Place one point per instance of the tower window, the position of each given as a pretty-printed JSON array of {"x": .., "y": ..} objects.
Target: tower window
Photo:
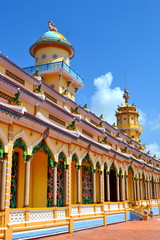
[
  {"x": 43, "y": 56},
  {"x": 54, "y": 56}
]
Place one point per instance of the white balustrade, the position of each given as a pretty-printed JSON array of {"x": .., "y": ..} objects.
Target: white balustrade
[
  {"x": 106, "y": 207},
  {"x": 40, "y": 215},
  {"x": 114, "y": 206},
  {"x": 98, "y": 209},
  {"x": 17, "y": 217},
  {"x": 61, "y": 213},
  {"x": 74, "y": 211},
  {"x": 87, "y": 209},
  {"x": 121, "y": 206}
]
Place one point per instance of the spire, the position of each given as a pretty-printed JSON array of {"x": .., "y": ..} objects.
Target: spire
[{"x": 126, "y": 95}]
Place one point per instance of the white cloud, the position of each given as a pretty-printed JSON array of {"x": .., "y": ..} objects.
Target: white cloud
[
  {"x": 155, "y": 123},
  {"x": 154, "y": 148},
  {"x": 142, "y": 117},
  {"x": 105, "y": 99}
]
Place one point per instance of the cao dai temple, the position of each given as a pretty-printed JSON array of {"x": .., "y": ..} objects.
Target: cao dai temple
[{"x": 62, "y": 168}]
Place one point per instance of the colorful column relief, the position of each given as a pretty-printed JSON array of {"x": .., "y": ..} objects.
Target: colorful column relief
[
  {"x": 87, "y": 181},
  {"x": 14, "y": 180}
]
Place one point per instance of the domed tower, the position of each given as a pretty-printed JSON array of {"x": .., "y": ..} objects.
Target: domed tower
[
  {"x": 127, "y": 119},
  {"x": 52, "y": 53}
]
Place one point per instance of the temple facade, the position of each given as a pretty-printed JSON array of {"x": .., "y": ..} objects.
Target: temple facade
[{"x": 62, "y": 168}]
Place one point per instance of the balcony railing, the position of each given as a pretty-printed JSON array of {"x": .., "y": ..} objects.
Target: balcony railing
[{"x": 54, "y": 66}]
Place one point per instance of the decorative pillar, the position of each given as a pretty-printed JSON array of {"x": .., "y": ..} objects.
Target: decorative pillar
[
  {"x": 79, "y": 185},
  {"x": 138, "y": 190},
  {"x": 118, "y": 197},
  {"x": 156, "y": 191},
  {"x": 126, "y": 183},
  {"x": 141, "y": 190},
  {"x": 94, "y": 186},
  {"x": 66, "y": 185},
  {"x": 122, "y": 188},
  {"x": 3, "y": 181},
  {"x": 55, "y": 184},
  {"x": 108, "y": 186},
  {"x": 151, "y": 192},
  {"x": 135, "y": 192},
  {"x": 27, "y": 180},
  {"x": 100, "y": 187},
  {"x": 148, "y": 189}
]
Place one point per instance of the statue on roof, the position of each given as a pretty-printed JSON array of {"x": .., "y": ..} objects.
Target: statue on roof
[
  {"x": 126, "y": 95},
  {"x": 51, "y": 26}
]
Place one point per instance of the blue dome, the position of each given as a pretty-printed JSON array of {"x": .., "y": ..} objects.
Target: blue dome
[{"x": 51, "y": 35}]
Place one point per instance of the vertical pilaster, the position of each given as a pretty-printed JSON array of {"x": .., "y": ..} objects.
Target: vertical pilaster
[
  {"x": 66, "y": 202},
  {"x": 148, "y": 189},
  {"x": 126, "y": 183},
  {"x": 79, "y": 185},
  {"x": 138, "y": 190},
  {"x": 100, "y": 187},
  {"x": 94, "y": 186},
  {"x": 122, "y": 188},
  {"x": 141, "y": 190},
  {"x": 27, "y": 181},
  {"x": 3, "y": 182},
  {"x": 55, "y": 184},
  {"x": 135, "y": 190},
  {"x": 108, "y": 186},
  {"x": 118, "y": 197}
]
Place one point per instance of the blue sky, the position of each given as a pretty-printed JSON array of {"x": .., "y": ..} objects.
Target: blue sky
[{"x": 114, "y": 37}]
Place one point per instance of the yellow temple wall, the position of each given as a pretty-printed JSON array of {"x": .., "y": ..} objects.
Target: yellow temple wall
[{"x": 49, "y": 52}]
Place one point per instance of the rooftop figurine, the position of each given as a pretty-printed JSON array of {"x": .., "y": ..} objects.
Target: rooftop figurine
[{"x": 51, "y": 26}]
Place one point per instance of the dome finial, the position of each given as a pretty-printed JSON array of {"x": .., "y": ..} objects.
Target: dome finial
[
  {"x": 51, "y": 26},
  {"x": 126, "y": 95}
]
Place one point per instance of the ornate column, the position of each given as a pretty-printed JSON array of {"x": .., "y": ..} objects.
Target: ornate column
[
  {"x": 118, "y": 197},
  {"x": 100, "y": 187},
  {"x": 94, "y": 186},
  {"x": 3, "y": 181},
  {"x": 66, "y": 185},
  {"x": 156, "y": 191},
  {"x": 138, "y": 190},
  {"x": 141, "y": 190},
  {"x": 55, "y": 184},
  {"x": 135, "y": 192},
  {"x": 79, "y": 185},
  {"x": 108, "y": 186},
  {"x": 151, "y": 192},
  {"x": 27, "y": 180},
  {"x": 126, "y": 183},
  {"x": 122, "y": 190},
  {"x": 148, "y": 189}
]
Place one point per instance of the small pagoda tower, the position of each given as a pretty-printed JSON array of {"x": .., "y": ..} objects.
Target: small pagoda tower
[
  {"x": 52, "y": 53},
  {"x": 127, "y": 118}
]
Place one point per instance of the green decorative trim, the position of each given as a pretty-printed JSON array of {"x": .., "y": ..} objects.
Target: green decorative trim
[
  {"x": 87, "y": 157},
  {"x": 43, "y": 145},
  {"x": 19, "y": 143},
  {"x": 75, "y": 158},
  {"x": 72, "y": 125},
  {"x": 1, "y": 150}
]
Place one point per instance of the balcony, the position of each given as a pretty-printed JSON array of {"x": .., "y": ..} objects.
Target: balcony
[{"x": 54, "y": 67}]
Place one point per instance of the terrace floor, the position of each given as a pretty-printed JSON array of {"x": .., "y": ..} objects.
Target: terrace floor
[{"x": 131, "y": 230}]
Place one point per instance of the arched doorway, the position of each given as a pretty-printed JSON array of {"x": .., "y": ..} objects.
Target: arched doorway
[
  {"x": 17, "y": 174},
  {"x": 41, "y": 177},
  {"x": 130, "y": 184},
  {"x": 113, "y": 183},
  {"x": 87, "y": 180}
]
